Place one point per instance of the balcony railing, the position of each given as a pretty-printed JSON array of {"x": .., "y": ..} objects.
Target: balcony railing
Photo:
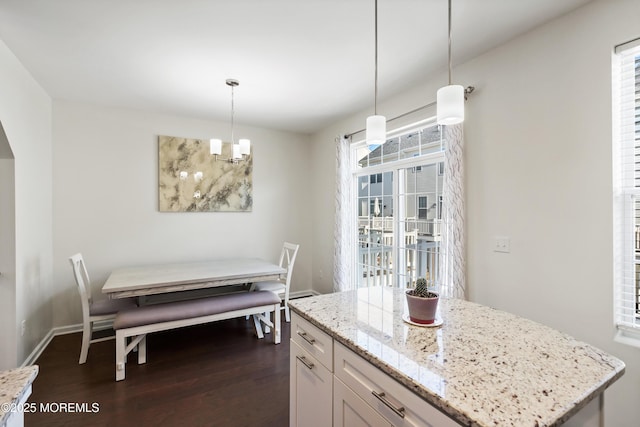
[
  {"x": 431, "y": 229},
  {"x": 417, "y": 252}
]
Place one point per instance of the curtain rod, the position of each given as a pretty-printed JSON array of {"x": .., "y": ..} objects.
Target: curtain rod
[
  {"x": 627, "y": 42},
  {"x": 467, "y": 91}
]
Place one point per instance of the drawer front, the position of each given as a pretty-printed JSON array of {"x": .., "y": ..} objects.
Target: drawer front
[
  {"x": 311, "y": 387},
  {"x": 395, "y": 402},
  {"x": 316, "y": 342}
]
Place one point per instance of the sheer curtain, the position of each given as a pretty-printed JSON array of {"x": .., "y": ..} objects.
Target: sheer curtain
[
  {"x": 344, "y": 220},
  {"x": 452, "y": 275}
]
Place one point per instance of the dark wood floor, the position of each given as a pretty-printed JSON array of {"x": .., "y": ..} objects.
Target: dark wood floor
[{"x": 218, "y": 374}]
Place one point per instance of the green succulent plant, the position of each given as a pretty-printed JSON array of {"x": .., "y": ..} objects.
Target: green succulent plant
[{"x": 421, "y": 289}]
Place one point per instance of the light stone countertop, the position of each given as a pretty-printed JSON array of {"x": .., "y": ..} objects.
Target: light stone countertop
[
  {"x": 12, "y": 386},
  {"x": 482, "y": 367}
]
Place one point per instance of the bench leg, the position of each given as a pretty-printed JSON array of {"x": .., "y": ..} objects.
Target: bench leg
[
  {"x": 121, "y": 343},
  {"x": 142, "y": 351},
  {"x": 276, "y": 324},
  {"x": 256, "y": 322},
  {"x": 266, "y": 327}
]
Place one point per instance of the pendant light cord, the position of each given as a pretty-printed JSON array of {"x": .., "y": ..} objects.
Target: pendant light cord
[
  {"x": 375, "y": 91},
  {"x": 232, "y": 113},
  {"x": 449, "y": 42}
]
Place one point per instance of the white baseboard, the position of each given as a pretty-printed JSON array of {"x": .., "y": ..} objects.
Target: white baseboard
[
  {"x": 105, "y": 324},
  {"x": 30, "y": 360},
  {"x": 60, "y": 330}
]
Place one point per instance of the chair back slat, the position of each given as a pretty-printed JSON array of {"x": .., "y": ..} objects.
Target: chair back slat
[
  {"x": 290, "y": 250},
  {"x": 82, "y": 280}
]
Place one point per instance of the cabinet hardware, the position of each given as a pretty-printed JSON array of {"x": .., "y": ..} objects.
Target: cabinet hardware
[
  {"x": 306, "y": 338},
  {"x": 381, "y": 397},
  {"x": 305, "y": 362}
]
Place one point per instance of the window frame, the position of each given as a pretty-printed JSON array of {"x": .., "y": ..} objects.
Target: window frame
[
  {"x": 432, "y": 157},
  {"x": 626, "y": 190}
]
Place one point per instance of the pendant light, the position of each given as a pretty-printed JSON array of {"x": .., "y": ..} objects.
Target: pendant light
[
  {"x": 242, "y": 149},
  {"x": 450, "y": 99},
  {"x": 376, "y": 125}
]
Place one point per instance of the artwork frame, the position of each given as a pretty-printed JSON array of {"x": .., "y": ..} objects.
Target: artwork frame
[{"x": 190, "y": 179}]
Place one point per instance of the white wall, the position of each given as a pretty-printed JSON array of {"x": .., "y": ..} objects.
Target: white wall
[
  {"x": 8, "y": 331},
  {"x": 540, "y": 171},
  {"x": 106, "y": 199},
  {"x": 538, "y": 164},
  {"x": 25, "y": 114}
]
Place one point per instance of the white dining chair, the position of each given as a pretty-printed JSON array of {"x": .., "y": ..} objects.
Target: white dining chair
[
  {"x": 281, "y": 287},
  {"x": 93, "y": 311}
]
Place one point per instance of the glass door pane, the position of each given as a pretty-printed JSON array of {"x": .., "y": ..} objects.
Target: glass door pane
[
  {"x": 375, "y": 229},
  {"x": 420, "y": 196}
]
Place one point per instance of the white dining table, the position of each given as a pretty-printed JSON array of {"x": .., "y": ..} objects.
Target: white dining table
[{"x": 175, "y": 277}]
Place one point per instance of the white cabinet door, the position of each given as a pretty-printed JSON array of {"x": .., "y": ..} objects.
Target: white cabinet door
[
  {"x": 351, "y": 411},
  {"x": 16, "y": 419},
  {"x": 392, "y": 400},
  {"x": 311, "y": 388}
]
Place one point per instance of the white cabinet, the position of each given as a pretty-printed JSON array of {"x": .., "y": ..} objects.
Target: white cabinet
[
  {"x": 392, "y": 400},
  {"x": 16, "y": 418},
  {"x": 311, "y": 390},
  {"x": 332, "y": 385},
  {"x": 351, "y": 411},
  {"x": 310, "y": 381},
  {"x": 317, "y": 343}
]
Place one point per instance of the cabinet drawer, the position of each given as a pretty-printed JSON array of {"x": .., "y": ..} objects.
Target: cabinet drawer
[
  {"x": 316, "y": 342},
  {"x": 395, "y": 402}
]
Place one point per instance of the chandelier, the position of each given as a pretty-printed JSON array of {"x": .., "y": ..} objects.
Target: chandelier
[{"x": 241, "y": 149}]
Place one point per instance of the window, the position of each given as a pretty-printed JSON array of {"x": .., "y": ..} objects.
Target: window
[
  {"x": 398, "y": 208},
  {"x": 422, "y": 206},
  {"x": 626, "y": 155},
  {"x": 376, "y": 178}
]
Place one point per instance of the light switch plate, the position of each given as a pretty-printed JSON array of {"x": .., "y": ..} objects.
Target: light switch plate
[{"x": 502, "y": 244}]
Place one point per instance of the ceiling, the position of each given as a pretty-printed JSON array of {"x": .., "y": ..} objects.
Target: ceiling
[{"x": 302, "y": 64}]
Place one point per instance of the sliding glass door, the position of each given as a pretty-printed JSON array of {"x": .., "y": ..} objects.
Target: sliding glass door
[{"x": 399, "y": 209}]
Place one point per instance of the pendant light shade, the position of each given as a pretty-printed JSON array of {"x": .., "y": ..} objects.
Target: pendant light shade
[
  {"x": 376, "y": 130},
  {"x": 376, "y": 125},
  {"x": 450, "y": 100}
]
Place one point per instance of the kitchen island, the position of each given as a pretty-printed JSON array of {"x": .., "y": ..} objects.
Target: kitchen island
[
  {"x": 15, "y": 388},
  {"x": 481, "y": 367}
]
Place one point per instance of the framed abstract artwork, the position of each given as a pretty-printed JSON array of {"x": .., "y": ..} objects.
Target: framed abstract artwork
[{"x": 190, "y": 179}]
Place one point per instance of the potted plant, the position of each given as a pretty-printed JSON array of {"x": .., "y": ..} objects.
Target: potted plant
[{"x": 422, "y": 303}]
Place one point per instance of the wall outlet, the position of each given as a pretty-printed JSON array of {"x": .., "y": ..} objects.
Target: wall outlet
[
  {"x": 502, "y": 244},
  {"x": 23, "y": 327}
]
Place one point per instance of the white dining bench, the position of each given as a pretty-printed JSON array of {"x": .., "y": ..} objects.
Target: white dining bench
[{"x": 137, "y": 322}]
